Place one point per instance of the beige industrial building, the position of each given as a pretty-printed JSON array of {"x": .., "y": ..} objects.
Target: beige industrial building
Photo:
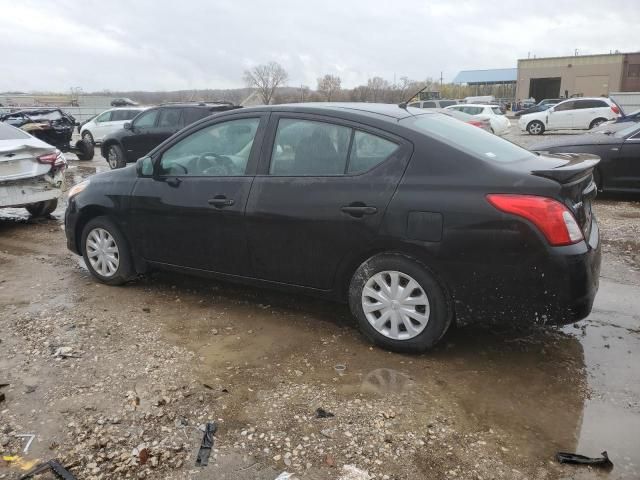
[{"x": 583, "y": 75}]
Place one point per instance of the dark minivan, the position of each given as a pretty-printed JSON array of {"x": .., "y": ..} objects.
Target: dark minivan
[
  {"x": 152, "y": 127},
  {"x": 414, "y": 218}
]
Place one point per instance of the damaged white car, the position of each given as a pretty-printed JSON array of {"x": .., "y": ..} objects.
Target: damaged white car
[{"x": 31, "y": 172}]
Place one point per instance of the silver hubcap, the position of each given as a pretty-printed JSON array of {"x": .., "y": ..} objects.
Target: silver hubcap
[
  {"x": 102, "y": 252},
  {"x": 534, "y": 128},
  {"x": 395, "y": 305},
  {"x": 87, "y": 137},
  {"x": 113, "y": 158}
]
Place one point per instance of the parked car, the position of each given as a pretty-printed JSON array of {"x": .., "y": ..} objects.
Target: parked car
[
  {"x": 152, "y": 127},
  {"x": 571, "y": 114},
  {"x": 476, "y": 121},
  {"x": 480, "y": 99},
  {"x": 412, "y": 217},
  {"x": 617, "y": 145},
  {"x": 108, "y": 122},
  {"x": 540, "y": 107},
  {"x": 433, "y": 103},
  {"x": 500, "y": 124},
  {"x": 52, "y": 126},
  {"x": 31, "y": 172},
  {"x": 631, "y": 117},
  {"x": 123, "y": 102}
]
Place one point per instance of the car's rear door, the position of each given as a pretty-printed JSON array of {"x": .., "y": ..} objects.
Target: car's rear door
[
  {"x": 101, "y": 127},
  {"x": 319, "y": 197},
  {"x": 170, "y": 120},
  {"x": 191, "y": 212}
]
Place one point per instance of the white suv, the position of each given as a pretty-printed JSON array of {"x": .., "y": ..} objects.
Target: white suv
[
  {"x": 500, "y": 124},
  {"x": 108, "y": 122},
  {"x": 571, "y": 114}
]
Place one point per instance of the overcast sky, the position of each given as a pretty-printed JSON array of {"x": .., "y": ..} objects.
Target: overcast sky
[{"x": 52, "y": 45}]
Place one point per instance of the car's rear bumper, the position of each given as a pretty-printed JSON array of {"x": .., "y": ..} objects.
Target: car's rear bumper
[
  {"x": 19, "y": 193},
  {"x": 557, "y": 289}
]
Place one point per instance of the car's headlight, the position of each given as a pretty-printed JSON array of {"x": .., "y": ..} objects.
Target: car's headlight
[{"x": 76, "y": 189}]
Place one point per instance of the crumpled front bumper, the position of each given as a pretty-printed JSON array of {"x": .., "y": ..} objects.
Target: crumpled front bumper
[{"x": 26, "y": 191}]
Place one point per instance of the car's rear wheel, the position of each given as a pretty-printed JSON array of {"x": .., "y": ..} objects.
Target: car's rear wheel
[
  {"x": 115, "y": 157},
  {"x": 399, "y": 303},
  {"x": 535, "y": 128},
  {"x": 596, "y": 122},
  {"x": 106, "y": 252},
  {"x": 84, "y": 149},
  {"x": 87, "y": 137},
  {"x": 42, "y": 209}
]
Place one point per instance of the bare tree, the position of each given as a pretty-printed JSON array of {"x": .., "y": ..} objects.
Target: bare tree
[
  {"x": 329, "y": 85},
  {"x": 266, "y": 79},
  {"x": 377, "y": 87}
]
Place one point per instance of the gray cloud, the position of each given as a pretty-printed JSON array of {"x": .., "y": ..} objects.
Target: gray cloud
[{"x": 152, "y": 45}]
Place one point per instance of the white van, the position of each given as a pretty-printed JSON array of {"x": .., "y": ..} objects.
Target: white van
[
  {"x": 481, "y": 99},
  {"x": 433, "y": 104}
]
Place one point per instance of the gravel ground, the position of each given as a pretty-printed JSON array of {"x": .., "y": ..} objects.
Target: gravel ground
[{"x": 118, "y": 382}]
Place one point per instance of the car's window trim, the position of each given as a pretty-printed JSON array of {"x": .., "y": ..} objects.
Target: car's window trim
[
  {"x": 269, "y": 141},
  {"x": 254, "y": 156}
]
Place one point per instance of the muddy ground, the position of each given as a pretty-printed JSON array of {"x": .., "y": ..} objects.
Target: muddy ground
[{"x": 116, "y": 382}]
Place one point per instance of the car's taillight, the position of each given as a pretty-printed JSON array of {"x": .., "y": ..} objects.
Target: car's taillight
[
  {"x": 615, "y": 109},
  {"x": 551, "y": 217},
  {"x": 54, "y": 159},
  {"x": 475, "y": 123}
]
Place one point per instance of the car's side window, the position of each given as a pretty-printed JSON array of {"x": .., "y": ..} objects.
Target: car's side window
[
  {"x": 414, "y": 104},
  {"x": 367, "y": 151},
  {"x": 103, "y": 117},
  {"x": 564, "y": 106},
  {"x": 309, "y": 148},
  {"x": 170, "y": 118},
  {"x": 146, "y": 120},
  {"x": 429, "y": 105},
  {"x": 120, "y": 115},
  {"x": 219, "y": 150}
]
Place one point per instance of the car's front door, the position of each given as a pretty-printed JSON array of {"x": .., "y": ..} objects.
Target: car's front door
[
  {"x": 561, "y": 116},
  {"x": 626, "y": 168},
  {"x": 102, "y": 122},
  {"x": 191, "y": 212},
  {"x": 139, "y": 142},
  {"x": 170, "y": 120},
  {"x": 319, "y": 198}
]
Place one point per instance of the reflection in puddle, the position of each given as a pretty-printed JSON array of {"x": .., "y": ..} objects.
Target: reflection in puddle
[{"x": 385, "y": 380}]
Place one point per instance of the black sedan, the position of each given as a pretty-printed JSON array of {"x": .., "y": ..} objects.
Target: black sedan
[
  {"x": 618, "y": 146},
  {"x": 414, "y": 218}
]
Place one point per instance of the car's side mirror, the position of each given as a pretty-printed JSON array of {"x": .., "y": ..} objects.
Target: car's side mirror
[
  {"x": 144, "y": 167},
  {"x": 128, "y": 126},
  {"x": 551, "y": 110}
]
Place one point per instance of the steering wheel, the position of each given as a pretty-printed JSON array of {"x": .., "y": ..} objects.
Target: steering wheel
[{"x": 214, "y": 163}]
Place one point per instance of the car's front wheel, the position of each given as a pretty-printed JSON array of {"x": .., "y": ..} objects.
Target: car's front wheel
[
  {"x": 597, "y": 122},
  {"x": 86, "y": 135},
  {"x": 115, "y": 157},
  {"x": 399, "y": 303},
  {"x": 535, "y": 128},
  {"x": 42, "y": 209},
  {"x": 106, "y": 252}
]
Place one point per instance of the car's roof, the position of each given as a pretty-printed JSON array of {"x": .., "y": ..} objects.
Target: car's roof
[
  {"x": 472, "y": 105},
  {"x": 586, "y": 98},
  {"x": 380, "y": 110},
  {"x": 132, "y": 107}
]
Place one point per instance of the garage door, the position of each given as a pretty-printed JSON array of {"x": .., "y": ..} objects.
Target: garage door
[{"x": 592, "y": 85}]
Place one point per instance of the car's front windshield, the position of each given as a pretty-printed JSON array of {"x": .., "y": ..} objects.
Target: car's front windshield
[{"x": 468, "y": 138}]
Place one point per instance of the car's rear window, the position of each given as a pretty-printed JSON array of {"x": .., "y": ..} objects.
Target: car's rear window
[
  {"x": 497, "y": 110},
  {"x": 447, "y": 103},
  {"x": 7, "y": 132},
  {"x": 465, "y": 137}
]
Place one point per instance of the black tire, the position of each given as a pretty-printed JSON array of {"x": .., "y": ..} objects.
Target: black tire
[
  {"x": 42, "y": 209},
  {"x": 536, "y": 127},
  {"x": 85, "y": 150},
  {"x": 86, "y": 136},
  {"x": 115, "y": 157},
  {"x": 125, "y": 270},
  {"x": 596, "y": 122},
  {"x": 440, "y": 305}
]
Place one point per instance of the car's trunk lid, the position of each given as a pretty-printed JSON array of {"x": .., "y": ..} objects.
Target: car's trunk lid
[
  {"x": 19, "y": 160},
  {"x": 574, "y": 172}
]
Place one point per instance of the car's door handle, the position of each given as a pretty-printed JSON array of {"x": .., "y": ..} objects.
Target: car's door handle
[
  {"x": 359, "y": 210},
  {"x": 174, "y": 182},
  {"x": 220, "y": 201}
]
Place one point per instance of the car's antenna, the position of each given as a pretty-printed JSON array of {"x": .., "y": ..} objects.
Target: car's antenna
[{"x": 403, "y": 105}]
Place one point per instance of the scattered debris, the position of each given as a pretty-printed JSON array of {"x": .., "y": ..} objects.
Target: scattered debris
[
  {"x": 56, "y": 467},
  {"x": 30, "y": 437},
  {"x": 322, "y": 413},
  {"x": 207, "y": 444},
  {"x": 65, "y": 352},
  {"x": 285, "y": 476},
  {"x": 351, "y": 472},
  {"x": 340, "y": 368},
  {"x": 574, "y": 458}
]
